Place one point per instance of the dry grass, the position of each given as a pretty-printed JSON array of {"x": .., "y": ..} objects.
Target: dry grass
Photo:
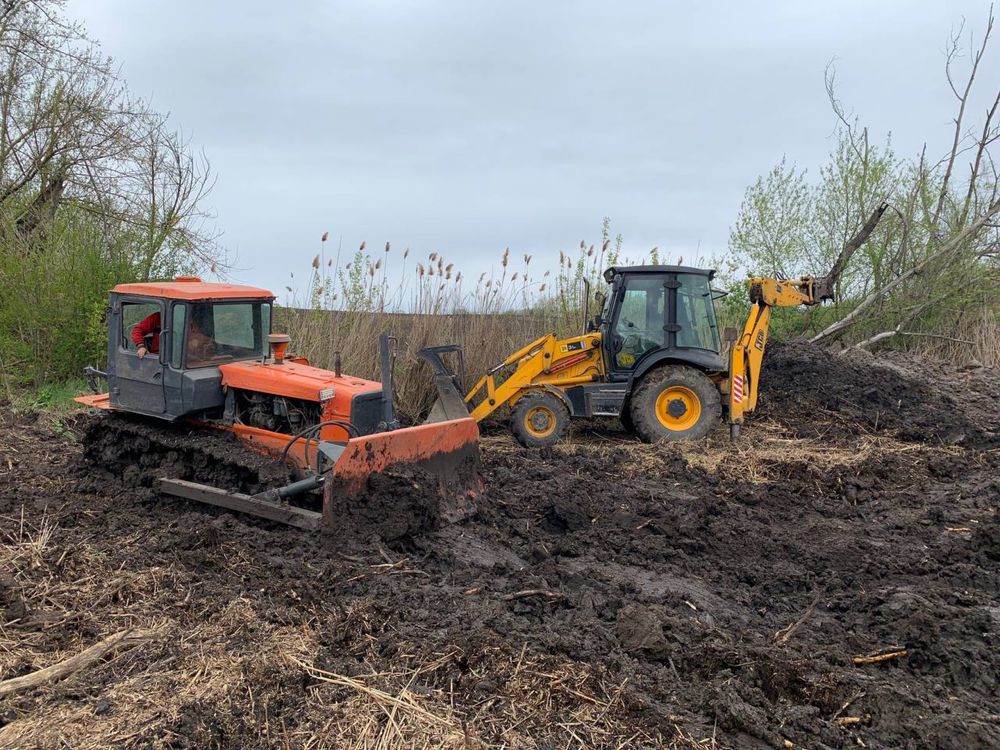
[
  {"x": 222, "y": 671},
  {"x": 973, "y": 336},
  {"x": 539, "y": 702},
  {"x": 765, "y": 455}
]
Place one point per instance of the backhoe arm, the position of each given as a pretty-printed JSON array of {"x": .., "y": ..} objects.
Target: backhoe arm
[{"x": 748, "y": 352}]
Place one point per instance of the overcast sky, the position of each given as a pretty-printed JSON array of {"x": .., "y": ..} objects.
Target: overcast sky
[{"x": 465, "y": 126}]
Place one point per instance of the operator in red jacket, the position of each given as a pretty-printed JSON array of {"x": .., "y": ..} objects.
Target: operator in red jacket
[{"x": 148, "y": 326}]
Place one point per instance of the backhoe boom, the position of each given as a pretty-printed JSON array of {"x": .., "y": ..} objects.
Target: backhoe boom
[{"x": 748, "y": 352}]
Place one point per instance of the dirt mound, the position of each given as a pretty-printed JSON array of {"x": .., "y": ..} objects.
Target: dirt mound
[
  {"x": 833, "y": 590},
  {"x": 819, "y": 393}
]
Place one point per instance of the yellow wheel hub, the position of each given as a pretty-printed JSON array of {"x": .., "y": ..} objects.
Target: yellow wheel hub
[
  {"x": 678, "y": 408},
  {"x": 540, "y": 421}
]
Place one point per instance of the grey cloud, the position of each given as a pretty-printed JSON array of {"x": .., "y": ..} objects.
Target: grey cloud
[{"x": 466, "y": 127}]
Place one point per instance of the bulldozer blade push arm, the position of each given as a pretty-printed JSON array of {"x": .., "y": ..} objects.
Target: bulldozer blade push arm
[{"x": 254, "y": 506}]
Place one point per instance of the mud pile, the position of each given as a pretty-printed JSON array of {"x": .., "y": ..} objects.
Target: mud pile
[
  {"x": 817, "y": 392},
  {"x": 607, "y": 594}
]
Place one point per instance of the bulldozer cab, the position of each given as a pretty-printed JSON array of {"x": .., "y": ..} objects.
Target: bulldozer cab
[
  {"x": 187, "y": 329},
  {"x": 655, "y": 314}
]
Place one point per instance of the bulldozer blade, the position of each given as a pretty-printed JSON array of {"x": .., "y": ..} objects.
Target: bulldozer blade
[{"x": 405, "y": 480}]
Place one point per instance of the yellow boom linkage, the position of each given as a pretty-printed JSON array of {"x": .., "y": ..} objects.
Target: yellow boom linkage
[
  {"x": 547, "y": 364},
  {"x": 748, "y": 352}
]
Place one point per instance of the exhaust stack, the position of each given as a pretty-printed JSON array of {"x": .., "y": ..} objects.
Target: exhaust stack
[{"x": 279, "y": 344}]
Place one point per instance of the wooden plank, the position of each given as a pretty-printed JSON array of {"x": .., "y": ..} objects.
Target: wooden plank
[{"x": 298, "y": 517}]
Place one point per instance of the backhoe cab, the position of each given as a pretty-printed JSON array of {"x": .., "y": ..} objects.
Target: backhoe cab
[{"x": 653, "y": 357}]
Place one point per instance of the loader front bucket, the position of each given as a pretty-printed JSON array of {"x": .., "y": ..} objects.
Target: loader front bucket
[{"x": 405, "y": 481}]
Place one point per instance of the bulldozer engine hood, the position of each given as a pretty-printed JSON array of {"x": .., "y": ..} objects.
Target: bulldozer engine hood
[{"x": 295, "y": 380}]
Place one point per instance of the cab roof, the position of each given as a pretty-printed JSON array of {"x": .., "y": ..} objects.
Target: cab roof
[
  {"x": 616, "y": 270},
  {"x": 191, "y": 288}
]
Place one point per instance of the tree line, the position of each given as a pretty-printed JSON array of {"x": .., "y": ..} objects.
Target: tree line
[
  {"x": 929, "y": 273},
  {"x": 96, "y": 188}
]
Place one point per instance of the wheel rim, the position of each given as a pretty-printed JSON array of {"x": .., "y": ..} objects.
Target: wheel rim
[
  {"x": 678, "y": 408},
  {"x": 540, "y": 421}
]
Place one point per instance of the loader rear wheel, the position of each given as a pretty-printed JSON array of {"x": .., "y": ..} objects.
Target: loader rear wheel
[
  {"x": 675, "y": 403},
  {"x": 539, "y": 420}
]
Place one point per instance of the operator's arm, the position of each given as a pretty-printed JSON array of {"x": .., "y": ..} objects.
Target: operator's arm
[{"x": 150, "y": 325}]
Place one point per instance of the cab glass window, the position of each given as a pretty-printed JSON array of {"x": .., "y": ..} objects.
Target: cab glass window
[
  {"x": 148, "y": 334},
  {"x": 225, "y": 331},
  {"x": 177, "y": 326},
  {"x": 696, "y": 313},
  {"x": 640, "y": 320}
]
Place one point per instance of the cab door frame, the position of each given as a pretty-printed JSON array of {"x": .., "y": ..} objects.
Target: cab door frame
[{"x": 135, "y": 384}]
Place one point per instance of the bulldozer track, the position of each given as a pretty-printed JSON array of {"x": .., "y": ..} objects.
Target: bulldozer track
[{"x": 142, "y": 451}]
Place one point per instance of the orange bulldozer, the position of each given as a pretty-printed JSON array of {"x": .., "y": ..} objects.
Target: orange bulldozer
[{"x": 188, "y": 358}]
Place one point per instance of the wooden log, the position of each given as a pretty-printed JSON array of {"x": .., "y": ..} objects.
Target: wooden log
[{"x": 61, "y": 670}]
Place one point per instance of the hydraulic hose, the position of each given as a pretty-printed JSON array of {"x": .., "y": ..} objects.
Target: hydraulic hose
[{"x": 351, "y": 430}]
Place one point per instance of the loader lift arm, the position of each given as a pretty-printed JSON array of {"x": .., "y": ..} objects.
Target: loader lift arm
[
  {"x": 547, "y": 364},
  {"x": 747, "y": 353}
]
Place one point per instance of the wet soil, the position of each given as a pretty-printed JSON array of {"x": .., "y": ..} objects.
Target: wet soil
[{"x": 712, "y": 593}]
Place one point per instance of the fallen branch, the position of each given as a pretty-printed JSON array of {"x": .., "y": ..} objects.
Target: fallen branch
[
  {"x": 534, "y": 592},
  {"x": 878, "y": 658},
  {"x": 951, "y": 246},
  {"x": 785, "y": 633},
  {"x": 853, "y": 244},
  {"x": 87, "y": 658}
]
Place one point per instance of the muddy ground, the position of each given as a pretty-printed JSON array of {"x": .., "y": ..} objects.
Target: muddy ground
[{"x": 607, "y": 594}]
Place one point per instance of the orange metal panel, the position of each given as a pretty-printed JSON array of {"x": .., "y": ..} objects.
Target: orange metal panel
[
  {"x": 295, "y": 381},
  {"x": 96, "y": 400},
  {"x": 194, "y": 290},
  {"x": 273, "y": 443}
]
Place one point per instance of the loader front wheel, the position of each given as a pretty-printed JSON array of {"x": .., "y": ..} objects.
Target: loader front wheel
[
  {"x": 675, "y": 403},
  {"x": 539, "y": 420}
]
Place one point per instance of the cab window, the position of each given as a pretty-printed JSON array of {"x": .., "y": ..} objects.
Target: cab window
[
  {"x": 134, "y": 313},
  {"x": 696, "y": 313},
  {"x": 640, "y": 320},
  {"x": 225, "y": 331},
  {"x": 177, "y": 326}
]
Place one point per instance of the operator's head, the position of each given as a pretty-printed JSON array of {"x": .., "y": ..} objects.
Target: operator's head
[{"x": 201, "y": 317}]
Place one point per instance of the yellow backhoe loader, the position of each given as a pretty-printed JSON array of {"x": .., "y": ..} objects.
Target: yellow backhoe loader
[{"x": 652, "y": 357}]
